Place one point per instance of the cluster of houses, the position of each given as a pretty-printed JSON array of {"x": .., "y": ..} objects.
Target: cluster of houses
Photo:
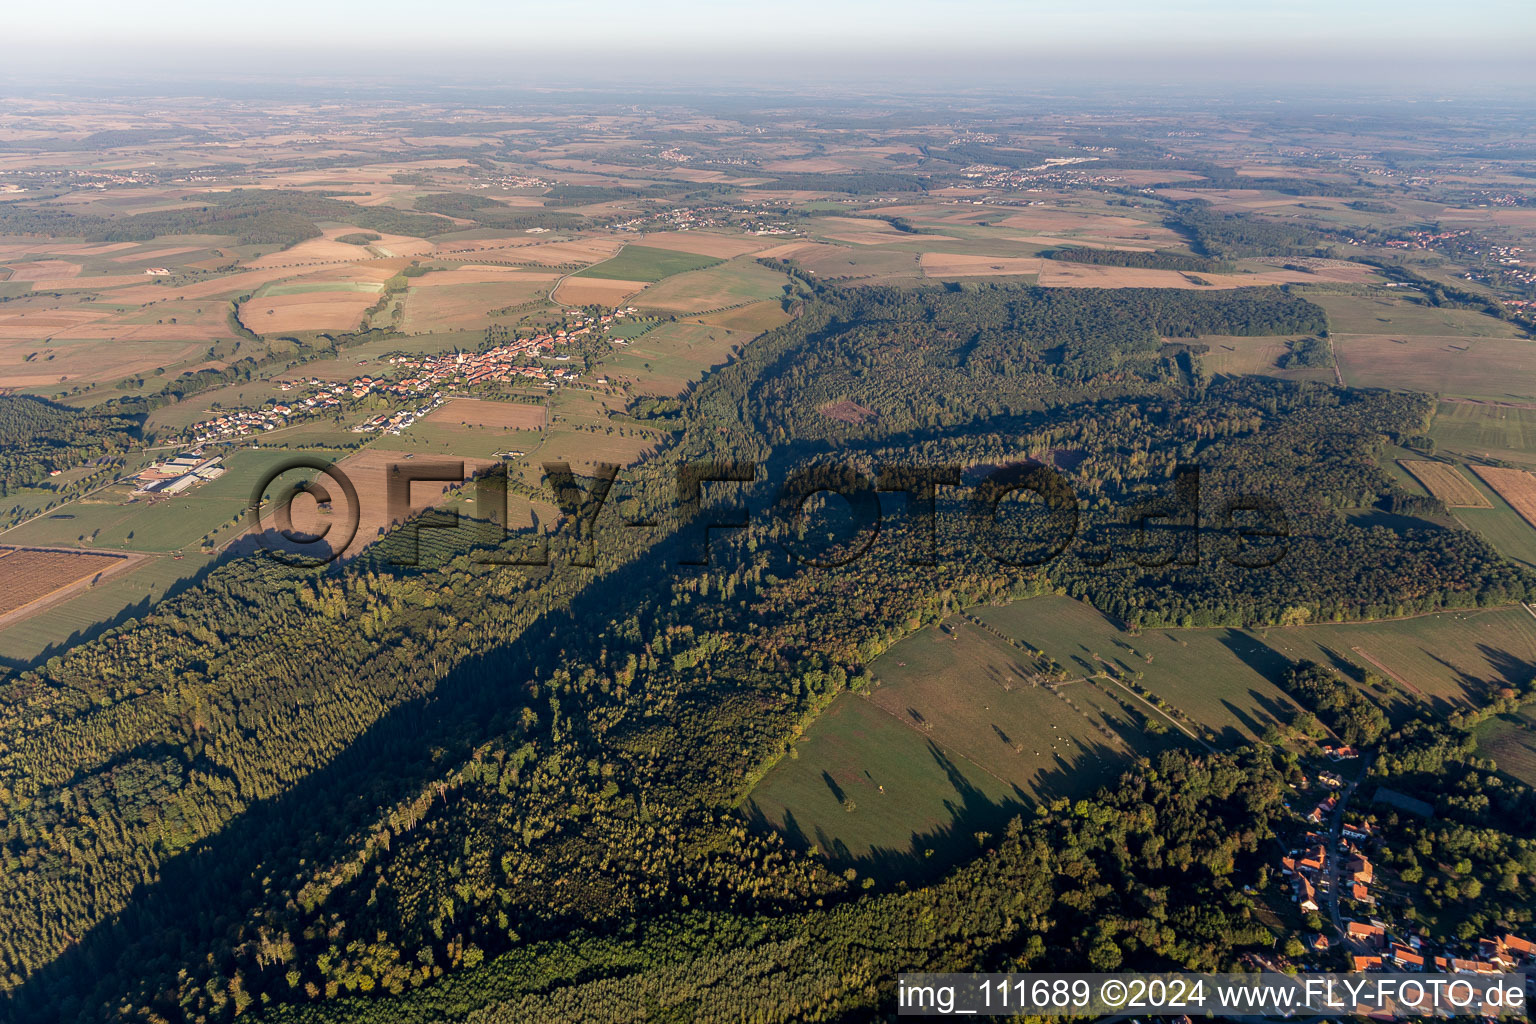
[
  {"x": 176, "y": 475},
  {"x": 1311, "y": 867},
  {"x": 1051, "y": 175},
  {"x": 427, "y": 377},
  {"x": 1375, "y": 948},
  {"x": 395, "y": 422}
]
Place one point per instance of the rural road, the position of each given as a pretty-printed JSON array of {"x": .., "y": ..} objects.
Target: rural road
[
  {"x": 581, "y": 270},
  {"x": 1335, "y": 833}
]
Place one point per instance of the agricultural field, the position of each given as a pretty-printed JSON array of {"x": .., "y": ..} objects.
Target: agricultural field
[
  {"x": 672, "y": 356},
  {"x": 433, "y": 306},
  {"x": 33, "y": 576},
  {"x": 595, "y": 291},
  {"x": 644, "y": 263},
  {"x": 1236, "y": 356},
  {"x": 114, "y": 518},
  {"x": 1444, "y": 481},
  {"x": 1486, "y": 430},
  {"x": 707, "y": 243},
  {"x": 330, "y": 310},
  {"x": 1378, "y": 315},
  {"x": 701, "y": 291},
  {"x": 1488, "y": 368},
  {"x": 370, "y": 471},
  {"x": 1516, "y": 486},
  {"x": 1218, "y": 680},
  {"x": 84, "y": 612}
]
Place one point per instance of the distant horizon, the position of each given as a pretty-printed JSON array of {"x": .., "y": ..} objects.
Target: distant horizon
[{"x": 1415, "y": 48}]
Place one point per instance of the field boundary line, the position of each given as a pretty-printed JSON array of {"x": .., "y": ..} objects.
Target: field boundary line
[
  {"x": 555, "y": 288},
  {"x": 1173, "y": 721}
]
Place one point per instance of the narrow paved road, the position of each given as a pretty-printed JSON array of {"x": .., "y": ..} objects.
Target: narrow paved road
[{"x": 1335, "y": 833}]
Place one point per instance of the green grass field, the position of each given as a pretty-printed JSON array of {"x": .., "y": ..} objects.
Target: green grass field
[
  {"x": 1372, "y": 314},
  {"x": 739, "y": 281},
  {"x": 1482, "y": 430},
  {"x": 957, "y": 736},
  {"x": 668, "y": 359},
  {"x": 954, "y": 736},
  {"x": 848, "y": 754},
  {"x": 1218, "y": 678},
  {"x": 1488, "y": 368},
  {"x": 1444, "y": 656},
  {"x": 1234, "y": 356},
  {"x": 1500, "y": 525},
  {"x": 1511, "y": 741},
  {"x": 109, "y": 519},
  {"x": 642, "y": 263}
]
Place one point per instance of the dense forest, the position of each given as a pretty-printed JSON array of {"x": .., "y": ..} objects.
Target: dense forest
[
  {"x": 396, "y": 792},
  {"x": 38, "y": 437}
]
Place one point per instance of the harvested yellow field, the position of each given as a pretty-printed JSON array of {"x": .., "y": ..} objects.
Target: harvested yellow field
[
  {"x": 369, "y": 470},
  {"x": 478, "y": 274},
  {"x": 306, "y": 311},
  {"x": 1515, "y": 486},
  {"x": 475, "y": 412},
  {"x": 945, "y": 264},
  {"x": 596, "y": 291},
  {"x": 44, "y": 270},
  {"x": 583, "y": 250},
  {"x": 1445, "y": 482},
  {"x": 791, "y": 250},
  {"x": 705, "y": 244}
]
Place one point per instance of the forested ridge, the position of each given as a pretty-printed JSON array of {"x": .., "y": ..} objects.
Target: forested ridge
[
  {"x": 288, "y": 787},
  {"x": 38, "y": 436}
]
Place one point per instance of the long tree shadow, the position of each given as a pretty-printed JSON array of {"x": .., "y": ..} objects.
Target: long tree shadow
[{"x": 203, "y": 891}]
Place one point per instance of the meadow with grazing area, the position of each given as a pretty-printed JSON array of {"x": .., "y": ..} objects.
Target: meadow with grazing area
[
  {"x": 672, "y": 356},
  {"x": 1373, "y": 314},
  {"x": 852, "y": 750},
  {"x": 958, "y": 731},
  {"x": 1208, "y": 676}
]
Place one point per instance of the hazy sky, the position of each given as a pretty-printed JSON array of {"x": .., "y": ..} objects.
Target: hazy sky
[{"x": 600, "y": 38}]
